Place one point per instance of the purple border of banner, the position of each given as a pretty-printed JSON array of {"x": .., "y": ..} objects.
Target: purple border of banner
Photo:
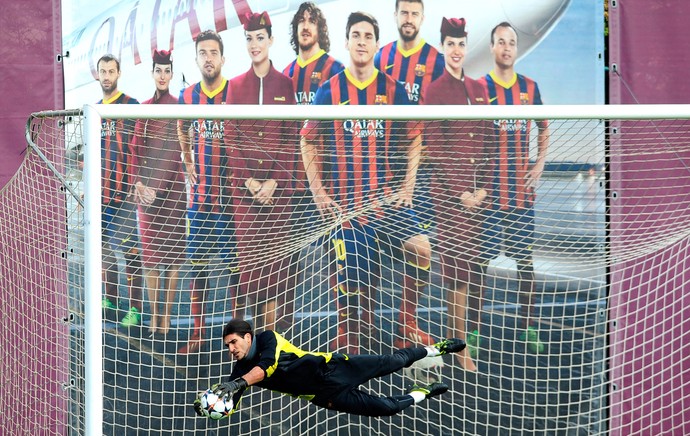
[
  {"x": 32, "y": 80},
  {"x": 650, "y": 376}
]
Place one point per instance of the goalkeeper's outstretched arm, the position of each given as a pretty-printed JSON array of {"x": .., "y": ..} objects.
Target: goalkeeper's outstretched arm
[{"x": 254, "y": 376}]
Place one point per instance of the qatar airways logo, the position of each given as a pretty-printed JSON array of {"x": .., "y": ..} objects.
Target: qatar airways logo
[
  {"x": 108, "y": 129},
  {"x": 412, "y": 91},
  {"x": 304, "y": 97},
  {"x": 365, "y": 128},
  {"x": 209, "y": 129},
  {"x": 512, "y": 125}
]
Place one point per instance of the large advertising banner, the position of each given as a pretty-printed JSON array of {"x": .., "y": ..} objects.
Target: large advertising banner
[{"x": 560, "y": 48}]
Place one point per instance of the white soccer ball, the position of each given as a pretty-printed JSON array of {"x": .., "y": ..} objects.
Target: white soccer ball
[{"x": 215, "y": 407}]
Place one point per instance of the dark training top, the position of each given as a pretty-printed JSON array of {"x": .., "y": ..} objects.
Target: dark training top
[{"x": 288, "y": 369}]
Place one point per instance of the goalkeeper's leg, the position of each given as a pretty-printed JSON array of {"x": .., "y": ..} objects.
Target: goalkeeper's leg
[{"x": 358, "y": 402}]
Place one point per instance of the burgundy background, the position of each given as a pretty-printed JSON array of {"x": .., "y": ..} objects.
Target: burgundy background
[
  {"x": 648, "y": 45},
  {"x": 30, "y": 78},
  {"x": 37, "y": 358},
  {"x": 650, "y": 380}
]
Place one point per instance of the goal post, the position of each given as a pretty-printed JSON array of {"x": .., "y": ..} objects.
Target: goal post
[{"x": 609, "y": 261}]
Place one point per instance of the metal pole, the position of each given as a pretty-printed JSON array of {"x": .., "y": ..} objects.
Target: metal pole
[{"x": 93, "y": 331}]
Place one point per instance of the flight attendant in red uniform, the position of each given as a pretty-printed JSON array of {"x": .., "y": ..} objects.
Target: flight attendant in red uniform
[
  {"x": 262, "y": 156},
  {"x": 460, "y": 153},
  {"x": 160, "y": 194}
]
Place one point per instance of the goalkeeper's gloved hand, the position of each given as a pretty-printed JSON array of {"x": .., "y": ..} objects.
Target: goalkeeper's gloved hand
[
  {"x": 197, "y": 407},
  {"x": 229, "y": 388}
]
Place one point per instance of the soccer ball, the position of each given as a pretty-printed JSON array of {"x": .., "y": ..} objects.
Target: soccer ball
[{"x": 215, "y": 407}]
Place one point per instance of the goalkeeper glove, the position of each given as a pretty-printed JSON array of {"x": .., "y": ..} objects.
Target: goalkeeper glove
[
  {"x": 197, "y": 407},
  {"x": 229, "y": 388}
]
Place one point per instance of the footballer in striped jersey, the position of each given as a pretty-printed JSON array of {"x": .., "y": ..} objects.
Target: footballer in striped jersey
[
  {"x": 511, "y": 223},
  {"x": 415, "y": 63},
  {"x": 119, "y": 220},
  {"x": 367, "y": 168},
  {"x": 206, "y": 161},
  {"x": 313, "y": 65}
]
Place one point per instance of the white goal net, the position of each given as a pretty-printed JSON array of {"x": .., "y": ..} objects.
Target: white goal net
[{"x": 561, "y": 260}]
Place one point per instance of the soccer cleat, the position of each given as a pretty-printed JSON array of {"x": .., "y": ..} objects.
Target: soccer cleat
[
  {"x": 531, "y": 337},
  {"x": 450, "y": 346},
  {"x": 132, "y": 318},
  {"x": 345, "y": 342},
  {"x": 413, "y": 334},
  {"x": 107, "y": 304},
  {"x": 109, "y": 310},
  {"x": 473, "y": 343},
  {"x": 431, "y": 390}
]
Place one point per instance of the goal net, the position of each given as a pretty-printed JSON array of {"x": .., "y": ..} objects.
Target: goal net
[{"x": 557, "y": 250}]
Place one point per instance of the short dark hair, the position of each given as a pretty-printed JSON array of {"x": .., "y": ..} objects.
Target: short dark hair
[
  {"x": 108, "y": 58},
  {"x": 208, "y": 35},
  {"x": 317, "y": 14},
  {"x": 269, "y": 31},
  {"x": 501, "y": 24},
  {"x": 397, "y": 2},
  {"x": 153, "y": 68},
  {"x": 358, "y": 17},
  {"x": 237, "y": 326}
]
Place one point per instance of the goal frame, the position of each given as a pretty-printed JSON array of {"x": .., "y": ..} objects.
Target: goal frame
[{"x": 92, "y": 191}]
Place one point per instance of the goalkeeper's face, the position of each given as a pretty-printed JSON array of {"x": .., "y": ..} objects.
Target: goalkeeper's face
[{"x": 238, "y": 346}]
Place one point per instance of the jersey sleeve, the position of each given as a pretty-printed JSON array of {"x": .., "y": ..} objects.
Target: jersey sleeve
[
  {"x": 183, "y": 125},
  {"x": 542, "y": 124},
  {"x": 439, "y": 67},
  {"x": 377, "y": 60},
  {"x": 267, "y": 345},
  {"x": 268, "y": 353},
  {"x": 337, "y": 67},
  {"x": 311, "y": 128}
]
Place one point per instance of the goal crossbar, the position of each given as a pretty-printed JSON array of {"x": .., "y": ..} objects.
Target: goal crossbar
[{"x": 613, "y": 112}]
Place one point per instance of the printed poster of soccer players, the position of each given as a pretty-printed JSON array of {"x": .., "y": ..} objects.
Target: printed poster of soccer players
[{"x": 557, "y": 194}]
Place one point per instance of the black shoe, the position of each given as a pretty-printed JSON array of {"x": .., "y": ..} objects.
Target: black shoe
[
  {"x": 450, "y": 346},
  {"x": 431, "y": 390}
]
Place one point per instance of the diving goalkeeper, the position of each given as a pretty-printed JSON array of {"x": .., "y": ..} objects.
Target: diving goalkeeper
[{"x": 328, "y": 380}]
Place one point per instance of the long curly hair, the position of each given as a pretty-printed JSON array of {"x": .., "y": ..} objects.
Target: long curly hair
[{"x": 315, "y": 12}]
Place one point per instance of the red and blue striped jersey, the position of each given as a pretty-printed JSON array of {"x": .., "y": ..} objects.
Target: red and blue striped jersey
[
  {"x": 116, "y": 153},
  {"x": 210, "y": 155},
  {"x": 362, "y": 158},
  {"x": 308, "y": 75},
  {"x": 513, "y": 138},
  {"x": 415, "y": 68}
]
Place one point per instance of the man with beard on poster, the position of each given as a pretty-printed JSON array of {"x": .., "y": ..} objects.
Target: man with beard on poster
[
  {"x": 119, "y": 214},
  {"x": 211, "y": 231},
  {"x": 312, "y": 67},
  {"x": 415, "y": 63}
]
